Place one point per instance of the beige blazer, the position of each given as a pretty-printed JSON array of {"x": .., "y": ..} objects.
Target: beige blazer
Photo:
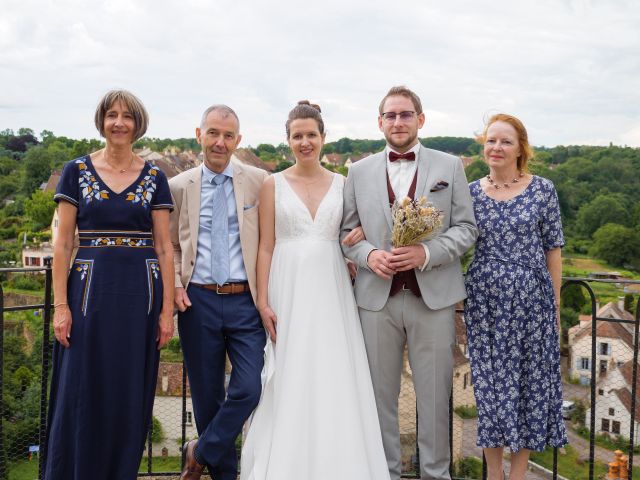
[{"x": 185, "y": 222}]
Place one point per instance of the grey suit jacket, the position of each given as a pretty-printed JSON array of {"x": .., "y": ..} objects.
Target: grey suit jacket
[
  {"x": 185, "y": 219},
  {"x": 366, "y": 203}
]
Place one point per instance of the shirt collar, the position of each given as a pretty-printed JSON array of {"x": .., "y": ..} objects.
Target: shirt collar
[
  {"x": 415, "y": 149},
  {"x": 208, "y": 175}
]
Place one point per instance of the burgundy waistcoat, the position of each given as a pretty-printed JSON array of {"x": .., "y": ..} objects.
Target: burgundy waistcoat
[{"x": 406, "y": 279}]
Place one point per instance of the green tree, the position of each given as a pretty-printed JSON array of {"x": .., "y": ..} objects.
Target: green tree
[
  {"x": 617, "y": 245},
  {"x": 573, "y": 297},
  {"x": 40, "y": 208},
  {"x": 157, "y": 432},
  {"x": 476, "y": 170},
  {"x": 629, "y": 303},
  {"x": 37, "y": 168},
  {"x": 601, "y": 210}
]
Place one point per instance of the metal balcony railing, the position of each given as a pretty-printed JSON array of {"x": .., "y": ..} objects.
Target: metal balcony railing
[{"x": 609, "y": 355}]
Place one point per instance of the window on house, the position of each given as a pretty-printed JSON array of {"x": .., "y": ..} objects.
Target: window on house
[
  {"x": 615, "y": 427},
  {"x": 605, "y": 425},
  {"x": 584, "y": 363},
  {"x": 466, "y": 381},
  {"x": 604, "y": 348},
  {"x": 612, "y": 412},
  {"x": 600, "y": 391},
  {"x": 189, "y": 418}
]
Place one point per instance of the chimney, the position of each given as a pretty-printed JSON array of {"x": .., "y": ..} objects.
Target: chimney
[
  {"x": 621, "y": 303},
  {"x": 165, "y": 381}
]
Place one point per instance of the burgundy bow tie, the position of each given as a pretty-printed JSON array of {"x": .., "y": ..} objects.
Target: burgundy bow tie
[{"x": 410, "y": 156}]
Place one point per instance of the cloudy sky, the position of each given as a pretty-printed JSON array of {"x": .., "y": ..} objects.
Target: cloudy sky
[{"x": 570, "y": 69}]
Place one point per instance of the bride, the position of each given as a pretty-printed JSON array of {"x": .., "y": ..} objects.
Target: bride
[{"x": 317, "y": 416}]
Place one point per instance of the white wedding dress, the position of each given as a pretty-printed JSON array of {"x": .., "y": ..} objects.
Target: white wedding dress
[{"x": 317, "y": 417}]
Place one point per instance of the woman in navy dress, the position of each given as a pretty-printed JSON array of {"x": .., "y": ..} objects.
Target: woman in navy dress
[
  {"x": 113, "y": 303},
  {"x": 513, "y": 288}
]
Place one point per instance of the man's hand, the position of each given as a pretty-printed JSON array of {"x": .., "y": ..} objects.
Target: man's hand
[
  {"x": 379, "y": 263},
  {"x": 407, "y": 258},
  {"x": 181, "y": 299}
]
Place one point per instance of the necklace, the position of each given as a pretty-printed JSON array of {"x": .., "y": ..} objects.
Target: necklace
[
  {"x": 505, "y": 185},
  {"x": 121, "y": 170}
]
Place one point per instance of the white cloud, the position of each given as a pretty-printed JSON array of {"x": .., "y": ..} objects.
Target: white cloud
[{"x": 568, "y": 68}]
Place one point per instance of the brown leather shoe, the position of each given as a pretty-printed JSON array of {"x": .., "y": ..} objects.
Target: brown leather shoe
[{"x": 192, "y": 469}]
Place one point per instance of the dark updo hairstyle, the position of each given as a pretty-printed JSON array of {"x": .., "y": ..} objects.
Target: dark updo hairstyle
[{"x": 305, "y": 109}]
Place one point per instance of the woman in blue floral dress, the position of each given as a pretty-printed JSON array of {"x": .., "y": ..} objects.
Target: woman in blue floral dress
[
  {"x": 513, "y": 288},
  {"x": 113, "y": 305}
]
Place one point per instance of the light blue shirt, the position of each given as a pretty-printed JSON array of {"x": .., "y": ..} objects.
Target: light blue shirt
[{"x": 202, "y": 269}]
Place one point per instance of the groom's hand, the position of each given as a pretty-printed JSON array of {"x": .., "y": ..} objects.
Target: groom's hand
[
  {"x": 407, "y": 258},
  {"x": 379, "y": 263}
]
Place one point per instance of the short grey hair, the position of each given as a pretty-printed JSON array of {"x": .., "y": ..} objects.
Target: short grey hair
[
  {"x": 224, "y": 110},
  {"x": 133, "y": 103}
]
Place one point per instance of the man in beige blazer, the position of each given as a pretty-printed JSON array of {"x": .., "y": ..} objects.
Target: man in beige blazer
[{"x": 214, "y": 230}]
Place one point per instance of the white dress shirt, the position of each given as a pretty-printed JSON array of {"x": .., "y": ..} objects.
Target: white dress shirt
[{"x": 401, "y": 173}]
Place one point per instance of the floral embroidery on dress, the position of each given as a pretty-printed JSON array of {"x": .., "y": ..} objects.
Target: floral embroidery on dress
[
  {"x": 85, "y": 267},
  {"x": 145, "y": 190},
  {"x": 89, "y": 185},
  {"x": 119, "y": 242},
  {"x": 153, "y": 270}
]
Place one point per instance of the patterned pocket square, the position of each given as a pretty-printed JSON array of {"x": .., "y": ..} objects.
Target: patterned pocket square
[{"x": 441, "y": 185}]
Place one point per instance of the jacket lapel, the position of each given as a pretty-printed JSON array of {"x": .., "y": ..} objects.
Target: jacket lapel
[
  {"x": 423, "y": 172},
  {"x": 380, "y": 175},
  {"x": 238, "y": 191},
  {"x": 193, "y": 207}
]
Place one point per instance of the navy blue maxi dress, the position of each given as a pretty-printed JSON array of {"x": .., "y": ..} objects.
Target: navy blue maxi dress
[
  {"x": 511, "y": 320},
  {"x": 103, "y": 385}
]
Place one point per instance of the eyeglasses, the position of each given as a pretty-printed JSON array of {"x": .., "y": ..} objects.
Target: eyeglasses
[{"x": 390, "y": 117}]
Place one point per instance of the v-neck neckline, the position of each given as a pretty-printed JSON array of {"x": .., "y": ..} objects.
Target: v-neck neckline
[
  {"x": 106, "y": 185},
  {"x": 312, "y": 217}
]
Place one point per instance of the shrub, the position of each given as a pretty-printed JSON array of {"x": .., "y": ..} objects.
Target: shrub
[{"x": 467, "y": 411}]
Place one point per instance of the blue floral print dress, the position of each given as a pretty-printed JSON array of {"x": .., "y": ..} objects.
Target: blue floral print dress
[
  {"x": 511, "y": 320},
  {"x": 103, "y": 385}
]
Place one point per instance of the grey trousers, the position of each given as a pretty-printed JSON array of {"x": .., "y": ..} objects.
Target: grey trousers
[{"x": 430, "y": 337}]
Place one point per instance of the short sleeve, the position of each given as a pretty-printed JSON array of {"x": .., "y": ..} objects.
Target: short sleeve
[
  {"x": 552, "y": 236},
  {"x": 162, "y": 197},
  {"x": 67, "y": 189}
]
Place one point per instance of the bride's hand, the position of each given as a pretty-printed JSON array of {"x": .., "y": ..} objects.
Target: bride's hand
[
  {"x": 269, "y": 320},
  {"x": 356, "y": 235}
]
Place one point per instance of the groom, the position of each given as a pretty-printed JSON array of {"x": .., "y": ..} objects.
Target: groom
[
  {"x": 407, "y": 295},
  {"x": 214, "y": 231}
]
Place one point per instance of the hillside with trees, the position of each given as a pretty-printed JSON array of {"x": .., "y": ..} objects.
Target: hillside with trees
[{"x": 598, "y": 187}]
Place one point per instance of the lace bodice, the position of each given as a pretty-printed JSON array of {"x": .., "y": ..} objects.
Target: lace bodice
[{"x": 293, "y": 220}]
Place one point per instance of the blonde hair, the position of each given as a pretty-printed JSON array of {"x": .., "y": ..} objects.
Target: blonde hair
[{"x": 403, "y": 92}]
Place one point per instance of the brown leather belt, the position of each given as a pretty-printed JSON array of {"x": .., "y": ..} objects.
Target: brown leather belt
[{"x": 226, "y": 289}]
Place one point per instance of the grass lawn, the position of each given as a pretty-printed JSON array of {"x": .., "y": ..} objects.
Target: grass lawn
[
  {"x": 569, "y": 465},
  {"x": 26, "y": 470},
  {"x": 604, "y": 292},
  {"x": 29, "y": 470}
]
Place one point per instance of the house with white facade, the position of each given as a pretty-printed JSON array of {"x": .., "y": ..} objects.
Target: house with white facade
[
  {"x": 613, "y": 403},
  {"x": 167, "y": 408},
  {"x": 614, "y": 343}
]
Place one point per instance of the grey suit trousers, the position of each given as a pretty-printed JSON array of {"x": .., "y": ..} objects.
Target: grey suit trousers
[{"x": 430, "y": 338}]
